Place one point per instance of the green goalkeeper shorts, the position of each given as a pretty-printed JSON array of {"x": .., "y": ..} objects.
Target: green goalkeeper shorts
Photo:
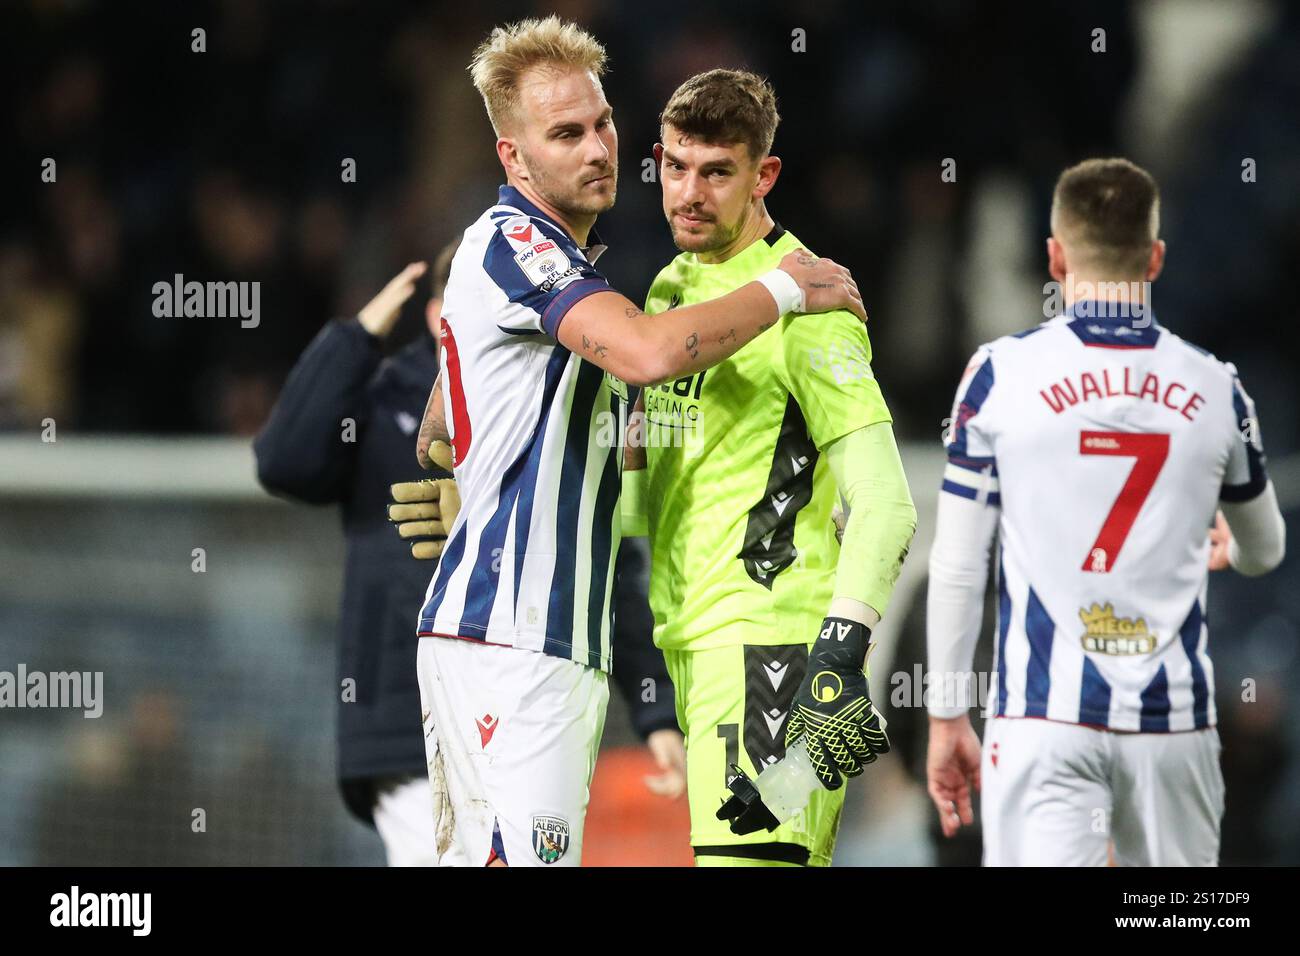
[{"x": 732, "y": 705}]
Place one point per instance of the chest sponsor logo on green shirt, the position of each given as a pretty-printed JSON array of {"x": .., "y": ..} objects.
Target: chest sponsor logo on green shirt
[{"x": 672, "y": 414}]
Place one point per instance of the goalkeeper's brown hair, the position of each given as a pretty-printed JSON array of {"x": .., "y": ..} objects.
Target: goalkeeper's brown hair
[
  {"x": 723, "y": 107},
  {"x": 1107, "y": 213},
  {"x": 510, "y": 51}
]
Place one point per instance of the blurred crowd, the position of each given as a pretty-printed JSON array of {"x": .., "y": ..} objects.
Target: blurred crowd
[{"x": 228, "y": 165}]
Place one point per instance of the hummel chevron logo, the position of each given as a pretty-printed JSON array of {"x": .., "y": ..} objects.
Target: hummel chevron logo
[
  {"x": 487, "y": 726},
  {"x": 776, "y": 674},
  {"x": 773, "y": 719}
]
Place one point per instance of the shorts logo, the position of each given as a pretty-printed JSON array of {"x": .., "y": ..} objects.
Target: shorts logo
[
  {"x": 1106, "y": 633},
  {"x": 826, "y": 686},
  {"x": 487, "y": 726},
  {"x": 550, "y": 838},
  {"x": 993, "y": 754}
]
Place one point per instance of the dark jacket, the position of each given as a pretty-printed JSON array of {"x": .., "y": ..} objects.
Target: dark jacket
[{"x": 302, "y": 454}]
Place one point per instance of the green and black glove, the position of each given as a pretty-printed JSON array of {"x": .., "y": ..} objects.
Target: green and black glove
[{"x": 833, "y": 708}]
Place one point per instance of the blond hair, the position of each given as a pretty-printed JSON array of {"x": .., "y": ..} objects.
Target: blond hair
[{"x": 509, "y": 51}]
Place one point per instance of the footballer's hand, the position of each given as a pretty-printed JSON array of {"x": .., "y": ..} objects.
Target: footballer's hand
[
  {"x": 1220, "y": 541},
  {"x": 380, "y": 314},
  {"x": 425, "y": 511},
  {"x": 832, "y": 710},
  {"x": 952, "y": 771},
  {"x": 668, "y": 748},
  {"x": 826, "y": 285}
]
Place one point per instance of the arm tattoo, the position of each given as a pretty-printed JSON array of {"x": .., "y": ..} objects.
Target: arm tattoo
[
  {"x": 692, "y": 344},
  {"x": 729, "y": 337},
  {"x": 632, "y": 312},
  {"x": 432, "y": 428}
]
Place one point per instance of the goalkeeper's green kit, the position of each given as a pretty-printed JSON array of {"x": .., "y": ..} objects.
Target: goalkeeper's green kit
[{"x": 738, "y": 496}]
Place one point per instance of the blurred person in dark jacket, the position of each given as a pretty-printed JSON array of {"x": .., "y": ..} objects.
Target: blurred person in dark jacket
[{"x": 343, "y": 431}]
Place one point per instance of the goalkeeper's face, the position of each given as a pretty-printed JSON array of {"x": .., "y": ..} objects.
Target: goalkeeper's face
[
  {"x": 567, "y": 141},
  {"x": 708, "y": 190}
]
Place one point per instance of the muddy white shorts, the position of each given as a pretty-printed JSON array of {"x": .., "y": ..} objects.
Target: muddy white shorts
[
  {"x": 511, "y": 736},
  {"x": 1057, "y": 794}
]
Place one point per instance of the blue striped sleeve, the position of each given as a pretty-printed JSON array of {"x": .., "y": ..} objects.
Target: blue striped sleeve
[{"x": 546, "y": 274}]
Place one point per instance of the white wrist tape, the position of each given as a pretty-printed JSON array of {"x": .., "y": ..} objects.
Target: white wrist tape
[{"x": 788, "y": 295}]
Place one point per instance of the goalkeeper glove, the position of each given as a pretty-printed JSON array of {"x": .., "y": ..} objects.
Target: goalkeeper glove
[
  {"x": 833, "y": 709},
  {"x": 426, "y": 509}
]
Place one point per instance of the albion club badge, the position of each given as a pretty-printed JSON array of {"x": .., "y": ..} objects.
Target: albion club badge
[{"x": 550, "y": 838}]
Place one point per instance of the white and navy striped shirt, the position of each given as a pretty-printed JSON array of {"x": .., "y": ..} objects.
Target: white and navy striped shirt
[
  {"x": 1107, "y": 442},
  {"x": 536, "y": 432}
]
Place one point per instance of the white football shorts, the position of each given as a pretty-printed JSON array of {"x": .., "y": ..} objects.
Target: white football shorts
[
  {"x": 511, "y": 735},
  {"x": 1057, "y": 794}
]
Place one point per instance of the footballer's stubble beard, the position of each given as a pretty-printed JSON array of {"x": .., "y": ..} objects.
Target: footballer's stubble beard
[
  {"x": 577, "y": 199},
  {"x": 708, "y": 236}
]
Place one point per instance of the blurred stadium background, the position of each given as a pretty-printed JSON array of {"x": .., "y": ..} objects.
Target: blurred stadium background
[{"x": 219, "y": 686}]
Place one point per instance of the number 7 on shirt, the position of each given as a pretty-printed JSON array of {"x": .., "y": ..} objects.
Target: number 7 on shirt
[{"x": 1151, "y": 451}]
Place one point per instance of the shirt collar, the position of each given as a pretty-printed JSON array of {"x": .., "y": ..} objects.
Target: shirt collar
[
  {"x": 510, "y": 196},
  {"x": 756, "y": 250},
  {"x": 1098, "y": 310}
]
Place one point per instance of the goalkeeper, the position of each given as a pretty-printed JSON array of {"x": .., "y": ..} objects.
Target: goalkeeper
[{"x": 741, "y": 464}]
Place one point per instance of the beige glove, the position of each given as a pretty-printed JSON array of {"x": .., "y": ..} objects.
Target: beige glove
[{"x": 426, "y": 509}]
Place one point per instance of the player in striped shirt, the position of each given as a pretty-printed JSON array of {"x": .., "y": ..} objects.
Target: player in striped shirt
[
  {"x": 1097, "y": 447},
  {"x": 537, "y": 348}
]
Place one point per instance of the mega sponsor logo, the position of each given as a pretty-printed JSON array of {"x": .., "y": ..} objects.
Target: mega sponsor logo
[{"x": 1107, "y": 633}]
